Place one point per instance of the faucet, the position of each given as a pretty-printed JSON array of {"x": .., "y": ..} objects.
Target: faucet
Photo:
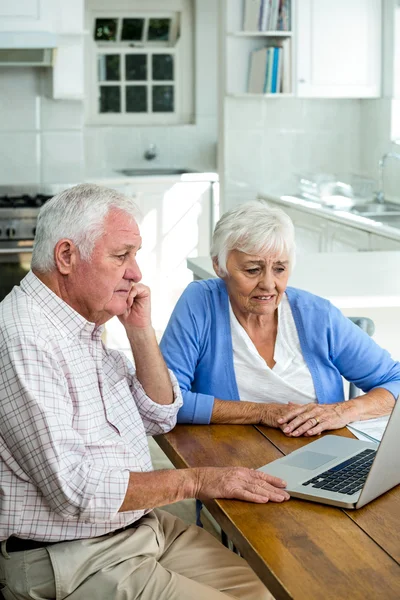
[
  {"x": 379, "y": 194},
  {"x": 150, "y": 153}
]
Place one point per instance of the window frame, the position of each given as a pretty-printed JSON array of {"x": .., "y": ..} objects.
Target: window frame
[{"x": 179, "y": 44}]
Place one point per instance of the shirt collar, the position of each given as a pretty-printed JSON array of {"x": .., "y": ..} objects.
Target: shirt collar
[{"x": 61, "y": 314}]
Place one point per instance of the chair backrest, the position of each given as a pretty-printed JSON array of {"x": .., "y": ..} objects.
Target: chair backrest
[{"x": 367, "y": 325}]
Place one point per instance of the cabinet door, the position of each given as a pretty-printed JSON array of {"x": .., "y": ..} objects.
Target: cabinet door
[
  {"x": 339, "y": 48},
  {"x": 341, "y": 238},
  {"x": 27, "y": 15},
  {"x": 379, "y": 242},
  {"x": 310, "y": 231}
]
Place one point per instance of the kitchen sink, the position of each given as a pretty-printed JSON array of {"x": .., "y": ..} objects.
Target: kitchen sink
[
  {"x": 153, "y": 171},
  {"x": 376, "y": 209}
]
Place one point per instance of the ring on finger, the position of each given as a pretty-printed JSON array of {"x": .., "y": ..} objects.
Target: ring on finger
[{"x": 316, "y": 420}]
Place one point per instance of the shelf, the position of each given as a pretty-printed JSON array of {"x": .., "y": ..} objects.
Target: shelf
[{"x": 260, "y": 33}]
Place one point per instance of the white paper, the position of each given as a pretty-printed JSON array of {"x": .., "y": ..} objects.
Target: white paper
[{"x": 371, "y": 430}]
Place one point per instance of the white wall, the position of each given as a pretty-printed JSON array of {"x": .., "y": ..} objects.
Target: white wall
[
  {"x": 41, "y": 140},
  {"x": 192, "y": 146},
  {"x": 45, "y": 141},
  {"x": 286, "y": 136}
]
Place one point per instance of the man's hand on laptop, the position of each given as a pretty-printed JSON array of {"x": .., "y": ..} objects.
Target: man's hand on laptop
[
  {"x": 239, "y": 483},
  {"x": 312, "y": 419}
]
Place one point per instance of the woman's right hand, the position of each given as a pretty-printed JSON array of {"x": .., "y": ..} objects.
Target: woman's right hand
[{"x": 271, "y": 412}]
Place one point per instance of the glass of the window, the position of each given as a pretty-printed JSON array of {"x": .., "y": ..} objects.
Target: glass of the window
[
  {"x": 158, "y": 30},
  {"x": 105, "y": 30}
]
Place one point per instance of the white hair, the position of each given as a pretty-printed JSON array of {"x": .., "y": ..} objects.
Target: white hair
[
  {"x": 253, "y": 228},
  {"x": 77, "y": 214}
]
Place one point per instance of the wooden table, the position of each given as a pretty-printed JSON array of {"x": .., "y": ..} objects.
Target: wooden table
[{"x": 300, "y": 549}]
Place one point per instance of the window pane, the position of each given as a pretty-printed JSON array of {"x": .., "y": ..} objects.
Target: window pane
[
  {"x": 163, "y": 98},
  {"x": 108, "y": 67},
  {"x": 105, "y": 30},
  {"x": 159, "y": 30},
  {"x": 163, "y": 67},
  {"x": 136, "y": 67},
  {"x": 110, "y": 99},
  {"x": 132, "y": 30},
  {"x": 136, "y": 98}
]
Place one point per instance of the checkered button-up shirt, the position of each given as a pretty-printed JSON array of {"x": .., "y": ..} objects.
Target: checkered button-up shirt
[{"x": 73, "y": 421}]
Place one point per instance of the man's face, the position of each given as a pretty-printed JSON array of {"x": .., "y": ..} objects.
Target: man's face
[{"x": 98, "y": 288}]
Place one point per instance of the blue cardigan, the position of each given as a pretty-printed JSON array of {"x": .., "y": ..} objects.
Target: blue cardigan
[{"x": 197, "y": 347}]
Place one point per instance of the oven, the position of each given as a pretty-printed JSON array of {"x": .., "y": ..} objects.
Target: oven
[{"x": 18, "y": 215}]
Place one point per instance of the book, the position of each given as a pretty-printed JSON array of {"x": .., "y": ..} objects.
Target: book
[
  {"x": 252, "y": 15},
  {"x": 264, "y": 15},
  {"x": 286, "y": 66},
  {"x": 269, "y": 72},
  {"x": 273, "y": 20},
  {"x": 284, "y": 18},
  {"x": 257, "y": 71},
  {"x": 275, "y": 70}
]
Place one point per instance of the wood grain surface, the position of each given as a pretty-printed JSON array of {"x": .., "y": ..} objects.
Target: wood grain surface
[{"x": 301, "y": 550}]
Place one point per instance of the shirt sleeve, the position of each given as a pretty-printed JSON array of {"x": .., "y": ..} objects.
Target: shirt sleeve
[
  {"x": 181, "y": 348},
  {"x": 359, "y": 358},
  {"x": 36, "y": 422}
]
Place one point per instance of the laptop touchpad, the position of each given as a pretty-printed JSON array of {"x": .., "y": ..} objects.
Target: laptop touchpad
[{"x": 308, "y": 460}]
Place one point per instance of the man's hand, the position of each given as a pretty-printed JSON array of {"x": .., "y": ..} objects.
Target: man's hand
[
  {"x": 138, "y": 308},
  {"x": 312, "y": 419},
  {"x": 239, "y": 483}
]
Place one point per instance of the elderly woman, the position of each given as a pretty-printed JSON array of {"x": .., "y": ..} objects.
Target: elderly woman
[{"x": 248, "y": 349}]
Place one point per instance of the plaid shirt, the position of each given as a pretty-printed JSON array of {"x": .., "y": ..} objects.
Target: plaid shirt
[{"x": 73, "y": 421}]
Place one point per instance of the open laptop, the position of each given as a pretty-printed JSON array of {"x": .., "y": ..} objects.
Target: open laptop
[{"x": 341, "y": 471}]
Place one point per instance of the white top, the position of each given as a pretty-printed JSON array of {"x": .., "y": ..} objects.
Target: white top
[{"x": 290, "y": 378}]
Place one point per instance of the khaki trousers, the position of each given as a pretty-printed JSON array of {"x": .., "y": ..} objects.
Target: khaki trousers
[{"x": 162, "y": 558}]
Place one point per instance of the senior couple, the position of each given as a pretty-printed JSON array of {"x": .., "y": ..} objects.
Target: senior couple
[{"x": 79, "y": 498}]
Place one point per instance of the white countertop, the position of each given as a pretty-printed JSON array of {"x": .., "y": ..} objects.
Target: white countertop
[
  {"x": 347, "y": 279},
  {"x": 111, "y": 177},
  {"x": 339, "y": 216}
]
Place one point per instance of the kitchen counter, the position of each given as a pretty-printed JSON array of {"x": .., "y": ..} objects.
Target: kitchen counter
[{"x": 339, "y": 216}]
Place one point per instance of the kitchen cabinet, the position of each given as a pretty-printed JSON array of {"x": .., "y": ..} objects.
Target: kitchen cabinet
[
  {"x": 333, "y": 48},
  {"x": 316, "y": 232},
  {"x": 175, "y": 223},
  {"x": 341, "y": 238},
  {"x": 310, "y": 231},
  {"x": 27, "y": 15},
  {"x": 380, "y": 243},
  {"x": 339, "y": 48}
]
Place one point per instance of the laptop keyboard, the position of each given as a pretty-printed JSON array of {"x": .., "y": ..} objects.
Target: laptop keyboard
[{"x": 348, "y": 477}]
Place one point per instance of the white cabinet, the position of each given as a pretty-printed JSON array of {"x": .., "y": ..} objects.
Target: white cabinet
[
  {"x": 338, "y": 48},
  {"x": 341, "y": 238},
  {"x": 333, "y": 47},
  {"x": 175, "y": 224},
  {"x": 27, "y": 15},
  {"x": 310, "y": 231},
  {"x": 378, "y": 242},
  {"x": 318, "y": 233}
]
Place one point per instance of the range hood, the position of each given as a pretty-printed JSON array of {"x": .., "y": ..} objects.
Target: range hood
[{"x": 27, "y": 48}]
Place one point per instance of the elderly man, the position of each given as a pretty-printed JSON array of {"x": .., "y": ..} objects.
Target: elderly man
[{"x": 78, "y": 492}]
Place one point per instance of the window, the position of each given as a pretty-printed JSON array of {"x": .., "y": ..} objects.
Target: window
[{"x": 137, "y": 63}]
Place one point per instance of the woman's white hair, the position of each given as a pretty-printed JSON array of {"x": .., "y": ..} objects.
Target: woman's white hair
[
  {"x": 77, "y": 214},
  {"x": 253, "y": 228}
]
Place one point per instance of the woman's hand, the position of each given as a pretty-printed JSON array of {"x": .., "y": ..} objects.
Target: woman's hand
[{"x": 312, "y": 419}]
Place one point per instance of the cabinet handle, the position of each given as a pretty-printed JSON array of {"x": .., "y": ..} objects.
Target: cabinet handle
[{"x": 302, "y": 80}]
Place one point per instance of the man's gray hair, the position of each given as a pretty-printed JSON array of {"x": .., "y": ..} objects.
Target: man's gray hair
[
  {"x": 78, "y": 214},
  {"x": 253, "y": 228}
]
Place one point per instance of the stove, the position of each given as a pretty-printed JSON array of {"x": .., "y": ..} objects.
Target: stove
[{"x": 18, "y": 213}]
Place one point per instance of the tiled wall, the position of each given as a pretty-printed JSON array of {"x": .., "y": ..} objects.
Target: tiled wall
[
  {"x": 285, "y": 137},
  {"x": 41, "y": 140}
]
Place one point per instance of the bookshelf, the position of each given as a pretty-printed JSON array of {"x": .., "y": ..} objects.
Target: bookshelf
[{"x": 239, "y": 46}]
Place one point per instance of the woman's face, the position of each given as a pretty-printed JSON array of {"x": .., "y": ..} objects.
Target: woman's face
[{"x": 256, "y": 283}]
